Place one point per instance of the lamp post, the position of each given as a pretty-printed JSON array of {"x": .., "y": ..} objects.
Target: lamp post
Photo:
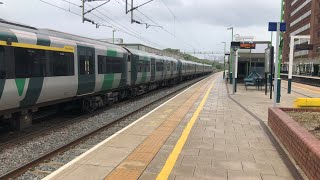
[
  {"x": 113, "y": 31},
  {"x": 224, "y": 59},
  {"x": 231, "y": 56}
]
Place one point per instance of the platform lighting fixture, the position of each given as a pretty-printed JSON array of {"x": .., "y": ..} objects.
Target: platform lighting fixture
[
  {"x": 224, "y": 59},
  {"x": 231, "y": 58}
]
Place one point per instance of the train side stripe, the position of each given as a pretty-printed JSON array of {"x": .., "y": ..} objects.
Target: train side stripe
[
  {"x": 111, "y": 53},
  {"x": 107, "y": 81},
  {"x": 33, "y": 91},
  {"x": 7, "y": 34},
  {"x": 43, "y": 40},
  {"x": 20, "y": 83}
]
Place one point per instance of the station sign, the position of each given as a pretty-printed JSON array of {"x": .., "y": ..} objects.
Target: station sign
[
  {"x": 247, "y": 45},
  {"x": 274, "y": 25},
  {"x": 301, "y": 47},
  {"x": 235, "y": 44}
]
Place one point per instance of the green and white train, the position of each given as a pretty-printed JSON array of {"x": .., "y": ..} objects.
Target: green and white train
[{"x": 42, "y": 67}]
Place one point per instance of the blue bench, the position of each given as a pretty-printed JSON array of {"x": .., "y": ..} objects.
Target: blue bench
[{"x": 251, "y": 80}]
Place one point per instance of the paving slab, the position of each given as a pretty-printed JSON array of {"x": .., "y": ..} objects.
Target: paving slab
[
  {"x": 230, "y": 139},
  {"x": 134, "y": 147},
  {"x": 227, "y": 142}
]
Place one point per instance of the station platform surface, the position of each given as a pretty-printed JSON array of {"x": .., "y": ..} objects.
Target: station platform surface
[{"x": 204, "y": 132}]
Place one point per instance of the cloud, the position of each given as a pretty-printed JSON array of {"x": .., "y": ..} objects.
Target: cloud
[
  {"x": 240, "y": 13},
  {"x": 199, "y": 23}
]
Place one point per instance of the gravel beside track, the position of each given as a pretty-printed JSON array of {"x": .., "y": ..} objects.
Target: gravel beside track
[{"x": 26, "y": 151}]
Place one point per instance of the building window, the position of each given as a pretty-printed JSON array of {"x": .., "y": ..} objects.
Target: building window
[
  {"x": 3, "y": 71},
  {"x": 318, "y": 34},
  {"x": 300, "y": 7},
  {"x": 294, "y": 2},
  {"x": 300, "y": 18},
  {"x": 303, "y": 28}
]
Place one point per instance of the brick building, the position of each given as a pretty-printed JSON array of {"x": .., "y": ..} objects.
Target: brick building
[{"x": 303, "y": 18}]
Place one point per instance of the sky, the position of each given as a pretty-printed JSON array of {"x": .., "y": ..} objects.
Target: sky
[{"x": 188, "y": 25}]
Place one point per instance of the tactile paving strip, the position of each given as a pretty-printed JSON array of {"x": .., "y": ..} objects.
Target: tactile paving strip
[{"x": 134, "y": 165}]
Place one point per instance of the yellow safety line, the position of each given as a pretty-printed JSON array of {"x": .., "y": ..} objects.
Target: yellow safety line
[
  {"x": 317, "y": 92},
  {"x": 34, "y": 46},
  {"x": 167, "y": 168}
]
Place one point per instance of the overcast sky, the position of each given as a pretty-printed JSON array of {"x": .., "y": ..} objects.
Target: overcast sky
[{"x": 199, "y": 24}]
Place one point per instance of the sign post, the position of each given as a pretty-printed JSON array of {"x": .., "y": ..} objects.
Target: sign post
[
  {"x": 278, "y": 27},
  {"x": 268, "y": 68},
  {"x": 235, "y": 46},
  {"x": 298, "y": 47}
]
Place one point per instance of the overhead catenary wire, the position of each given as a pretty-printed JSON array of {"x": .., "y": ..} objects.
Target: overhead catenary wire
[
  {"x": 150, "y": 42},
  {"x": 164, "y": 2},
  {"x": 115, "y": 19},
  {"x": 126, "y": 29},
  {"x": 119, "y": 29},
  {"x": 185, "y": 43},
  {"x": 135, "y": 34}
]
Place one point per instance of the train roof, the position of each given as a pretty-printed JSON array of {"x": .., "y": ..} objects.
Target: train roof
[
  {"x": 150, "y": 55},
  {"x": 12, "y": 26},
  {"x": 191, "y": 62}
]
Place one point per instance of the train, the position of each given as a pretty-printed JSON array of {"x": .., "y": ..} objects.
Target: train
[{"x": 43, "y": 67}]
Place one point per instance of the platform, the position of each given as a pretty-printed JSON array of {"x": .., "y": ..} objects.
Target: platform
[{"x": 202, "y": 133}]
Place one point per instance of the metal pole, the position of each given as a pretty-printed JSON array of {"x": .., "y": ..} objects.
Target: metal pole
[
  {"x": 233, "y": 81},
  {"x": 250, "y": 70},
  {"x": 280, "y": 53},
  {"x": 131, "y": 11},
  {"x": 113, "y": 36},
  {"x": 276, "y": 67},
  {"x": 83, "y": 11},
  {"x": 231, "y": 56},
  {"x": 235, "y": 71},
  {"x": 290, "y": 63},
  {"x": 224, "y": 60}
]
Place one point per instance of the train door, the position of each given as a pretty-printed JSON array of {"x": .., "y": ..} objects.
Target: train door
[
  {"x": 129, "y": 56},
  {"x": 153, "y": 69},
  {"x": 172, "y": 68},
  {"x": 86, "y": 70}
]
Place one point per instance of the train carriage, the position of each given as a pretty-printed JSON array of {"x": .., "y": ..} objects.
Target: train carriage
[{"x": 42, "y": 67}]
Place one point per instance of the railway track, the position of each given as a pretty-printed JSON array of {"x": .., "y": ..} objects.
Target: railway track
[{"x": 18, "y": 171}]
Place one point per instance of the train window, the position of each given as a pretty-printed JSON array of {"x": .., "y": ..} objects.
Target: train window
[
  {"x": 30, "y": 63},
  {"x": 159, "y": 66},
  {"x": 61, "y": 64},
  {"x": 102, "y": 65},
  {"x": 108, "y": 65},
  {"x": 143, "y": 66},
  {"x": 139, "y": 67},
  {"x": 116, "y": 66},
  {"x": 3, "y": 71},
  {"x": 86, "y": 65},
  {"x": 147, "y": 67}
]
